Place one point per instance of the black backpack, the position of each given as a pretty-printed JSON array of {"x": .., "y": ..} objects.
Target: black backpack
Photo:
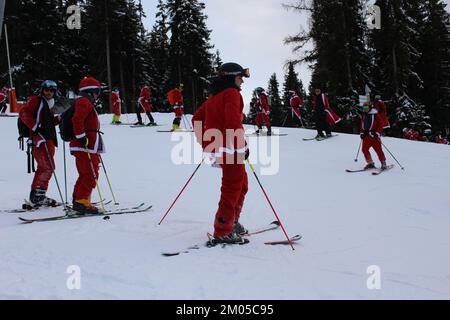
[
  {"x": 24, "y": 131},
  {"x": 66, "y": 125}
]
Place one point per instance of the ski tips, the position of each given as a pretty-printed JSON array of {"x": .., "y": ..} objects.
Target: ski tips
[{"x": 276, "y": 222}]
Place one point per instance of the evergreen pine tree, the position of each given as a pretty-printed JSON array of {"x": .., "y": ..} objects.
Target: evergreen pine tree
[
  {"x": 189, "y": 56},
  {"x": 158, "y": 49},
  {"x": 291, "y": 82},
  {"x": 276, "y": 107},
  {"x": 434, "y": 65}
]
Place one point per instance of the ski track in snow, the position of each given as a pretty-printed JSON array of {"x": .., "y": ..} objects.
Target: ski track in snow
[{"x": 399, "y": 221}]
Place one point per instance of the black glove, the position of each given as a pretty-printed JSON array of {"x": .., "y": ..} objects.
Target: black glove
[
  {"x": 375, "y": 135},
  {"x": 362, "y": 135},
  {"x": 84, "y": 141},
  {"x": 247, "y": 153}
]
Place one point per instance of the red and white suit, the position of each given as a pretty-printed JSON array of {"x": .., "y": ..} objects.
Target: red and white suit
[
  {"x": 116, "y": 103},
  {"x": 263, "y": 111},
  {"x": 86, "y": 124},
  {"x": 295, "y": 103},
  {"x": 331, "y": 117},
  {"x": 38, "y": 117},
  {"x": 371, "y": 123},
  {"x": 222, "y": 114},
  {"x": 144, "y": 99}
]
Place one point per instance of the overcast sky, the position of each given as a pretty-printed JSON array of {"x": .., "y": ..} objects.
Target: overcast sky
[{"x": 251, "y": 33}]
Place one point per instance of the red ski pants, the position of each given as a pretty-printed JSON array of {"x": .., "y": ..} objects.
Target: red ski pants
[
  {"x": 85, "y": 182},
  {"x": 371, "y": 142},
  {"x": 233, "y": 191},
  {"x": 262, "y": 118},
  {"x": 44, "y": 170}
]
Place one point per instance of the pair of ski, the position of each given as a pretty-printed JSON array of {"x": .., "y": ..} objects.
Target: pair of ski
[
  {"x": 144, "y": 125},
  {"x": 179, "y": 130},
  {"x": 266, "y": 135},
  {"x": 319, "y": 138},
  {"x": 71, "y": 214},
  {"x": 272, "y": 226},
  {"x": 375, "y": 172},
  {"x": 27, "y": 206}
]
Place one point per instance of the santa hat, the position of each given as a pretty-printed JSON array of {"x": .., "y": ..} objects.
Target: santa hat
[{"x": 89, "y": 83}]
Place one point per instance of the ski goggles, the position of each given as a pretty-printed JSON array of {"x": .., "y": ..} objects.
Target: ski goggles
[
  {"x": 243, "y": 73},
  {"x": 364, "y": 108}
]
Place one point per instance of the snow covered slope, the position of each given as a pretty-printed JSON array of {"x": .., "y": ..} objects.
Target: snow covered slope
[{"x": 397, "y": 223}]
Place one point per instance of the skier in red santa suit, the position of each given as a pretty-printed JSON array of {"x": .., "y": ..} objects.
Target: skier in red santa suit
[
  {"x": 263, "y": 107},
  {"x": 296, "y": 103},
  {"x": 116, "y": 103},
  {"x": 382, "y": 111},
  {"x": 144, "y": 105},
  {"x": 86, "y": 128},
  {"x": 222, "y": 114},
  {"x": 39, "y": 118},
  {"x": 324, "y": 115},
  {"x": 371, "y": 128}
]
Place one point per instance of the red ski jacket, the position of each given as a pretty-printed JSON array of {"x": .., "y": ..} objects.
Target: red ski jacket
[{"x": 86, "y": 124}]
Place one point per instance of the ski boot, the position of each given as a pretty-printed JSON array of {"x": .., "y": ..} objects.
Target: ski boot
[
  {"x": 84, "y": 206},
  {"x": 38, "y": 199},
  {"x": 231, "y": 238},
  {"x": 239, "y": 229},
  {"x": 383, "y": 165},
  {"x": 369, "y": 166}
]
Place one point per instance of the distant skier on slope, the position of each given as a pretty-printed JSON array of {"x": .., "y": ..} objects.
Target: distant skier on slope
[
  {"x": 295, "y": 102},
  {"x": 175, "y": 98},
  {"x": 223, "y": 112},
  {"x": 371, "y": 128},
  {"x": 323, "y": 114},
  {"x": 38, "y": 116},
  {"x": 116, "y": 103},
  {"x": 382, "y": 111},
  {"x": 144, "y": 105},
  {"x": 263, "y": 109}
]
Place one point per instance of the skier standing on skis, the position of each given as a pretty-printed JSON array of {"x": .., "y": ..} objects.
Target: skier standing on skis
[
  {"x": 223, "y": 112},
  {"x": 38, "y": 116},
  {"x": 296, "y": 103},
  {"x": 371, "y": 128},
  {"x": 175, "y": 98},
  {"x": 116, "y": 103},
  {"x": 323, "y": 114},
  {"x": 263, "y": 107},
  {"x": 144, "y": 105},
  {"x": 86, "y": 128}
]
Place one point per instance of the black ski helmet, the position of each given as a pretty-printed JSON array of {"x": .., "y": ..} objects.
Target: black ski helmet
[{"x": 232, "y": 69}]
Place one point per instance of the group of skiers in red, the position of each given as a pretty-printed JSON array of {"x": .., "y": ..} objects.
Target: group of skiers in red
[
  {"x": 221, "y": 113},
  {"x": 86, "y": 145}
]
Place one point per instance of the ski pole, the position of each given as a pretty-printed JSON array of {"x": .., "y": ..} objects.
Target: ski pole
[
  {"x": 94, "y": 175},
  {"x": 391, "y": 154},
  {"x": 285, "y": 118},
  {"x": 65, "y": 170},
  {"x": 54, "y": 174},
  {"x": 359, "y": 148},
  {"x": 270, "y": 203},
  {"x": 179, "y": 194},
  {"x": 107, "y": 178}
]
